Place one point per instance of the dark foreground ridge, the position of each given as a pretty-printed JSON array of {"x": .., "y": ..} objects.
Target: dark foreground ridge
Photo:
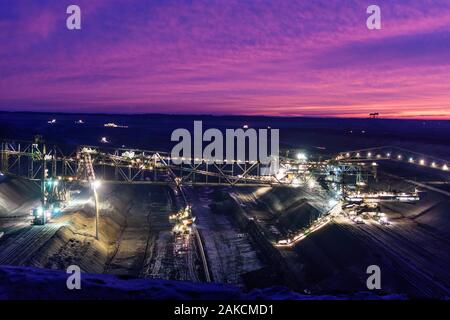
[{"x": 26, "y": 283}]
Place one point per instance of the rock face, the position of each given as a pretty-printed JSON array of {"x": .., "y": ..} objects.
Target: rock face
[{"x": 23, "y": 283}]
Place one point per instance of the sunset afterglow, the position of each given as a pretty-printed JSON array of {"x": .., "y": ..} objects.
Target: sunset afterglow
[{"x": 281, "y": 58}]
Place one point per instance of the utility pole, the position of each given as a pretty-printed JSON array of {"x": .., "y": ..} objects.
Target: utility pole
[
  {"x": 96, "y": 213},
  {"x": 43, "y": 168},
  {"x": 94, "y": 185}
]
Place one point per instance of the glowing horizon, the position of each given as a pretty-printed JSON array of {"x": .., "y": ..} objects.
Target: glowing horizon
[{"x": 268, "y": 58}]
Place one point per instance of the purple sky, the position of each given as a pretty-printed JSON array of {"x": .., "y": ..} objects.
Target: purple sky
[{"x": 280, "y": 57}]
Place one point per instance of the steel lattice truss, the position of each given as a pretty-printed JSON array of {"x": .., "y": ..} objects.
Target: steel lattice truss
[{"x": 38, "y": 162}]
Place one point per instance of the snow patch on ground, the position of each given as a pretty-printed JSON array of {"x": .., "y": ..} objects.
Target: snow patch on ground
[{"x": 33, "y": 283}]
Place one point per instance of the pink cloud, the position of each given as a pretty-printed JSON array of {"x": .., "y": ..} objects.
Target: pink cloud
[{"x": 284, "y": 58}]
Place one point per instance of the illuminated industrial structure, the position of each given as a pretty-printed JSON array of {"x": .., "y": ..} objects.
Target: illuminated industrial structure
[
  {"x": 54, "y": 169},
  {"x": 36, "y": 162}
]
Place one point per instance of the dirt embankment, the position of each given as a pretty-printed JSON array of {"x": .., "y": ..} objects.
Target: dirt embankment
[
  {"x": 74, "y": 243},
  {"x": 276, "y": 271},
  {"x": 16, "y": 196},
  {"x": 135, "y": 235}
]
